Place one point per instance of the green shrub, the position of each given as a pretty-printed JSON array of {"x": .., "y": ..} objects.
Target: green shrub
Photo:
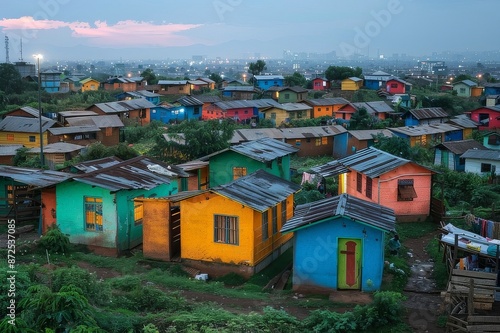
[
  {"x": 125, "y": 283},
  {"x": 232, "y": 279},
  {"x": 320, "y": 321},
  {"x": 119, "y": 321},
  {"x": 22, "y": 283},
  {"x": 385, "y": 309},
  {"x": 55, "y": 241}
]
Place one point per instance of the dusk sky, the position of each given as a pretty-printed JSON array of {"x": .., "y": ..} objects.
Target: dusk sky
[{"x": 154, "y": 29}]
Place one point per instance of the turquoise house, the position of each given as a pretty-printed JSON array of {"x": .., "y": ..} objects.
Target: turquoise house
[
  {"x": 339, "y": 243},
  {"x": 240, "y": 160},
  {"x": 97, "y": 208}
]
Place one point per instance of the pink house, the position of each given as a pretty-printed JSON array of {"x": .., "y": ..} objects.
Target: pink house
[
  {"x": 377, "y": 176},
  {"x": 321, "y": 84},
  {"x": 397, "y": 86},
  {"x": 487, "y": 116}
]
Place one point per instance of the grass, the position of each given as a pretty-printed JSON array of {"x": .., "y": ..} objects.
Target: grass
[
  {"x": 277, "y": 267},
  {"x": 415, "y": 229}
]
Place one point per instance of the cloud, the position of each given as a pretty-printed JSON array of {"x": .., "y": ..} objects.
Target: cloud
[{"x": 123, "y": 33}]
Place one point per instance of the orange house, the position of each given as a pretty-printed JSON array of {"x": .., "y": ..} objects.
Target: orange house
[
  {"x": 326, "y": 107},
  {"x": 131, "y": 112},
  {"x": 230, "y": 228},
  {"x": 345, "y": 112},
  {"x": 377, "y": 176}
]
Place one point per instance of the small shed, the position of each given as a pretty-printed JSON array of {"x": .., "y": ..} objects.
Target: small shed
[{"x": 339, "y": 244}]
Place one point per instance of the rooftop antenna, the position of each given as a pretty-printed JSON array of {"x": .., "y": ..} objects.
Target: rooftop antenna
[
  {"x": 21, "y": 59},
  {"x": 7, "y": 50}
]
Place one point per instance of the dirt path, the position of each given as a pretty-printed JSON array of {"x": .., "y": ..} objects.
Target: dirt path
[{"x": 423, "y": 299}]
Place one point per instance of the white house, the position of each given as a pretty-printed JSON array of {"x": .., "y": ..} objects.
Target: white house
[{"x": 484, "y": 162}]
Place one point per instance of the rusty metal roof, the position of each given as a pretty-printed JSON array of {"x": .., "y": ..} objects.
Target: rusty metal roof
[
  {"x": 259, "y": 190},
  {"x": 77, "y": 113},
  {"x": 344, "y": 205},
  {"x": 25, "y": 124},
  {"x": 74, "y": 129},
  {"x": 33, "y": 177},
  {"x": 429, "y": 113},
  {"x": 189, "y": 101},
  {"x": 100, "y": 163},
  {"x": 460, "y": 147},
  {"x": 140, "y": 172},
  {"x": 425, "y": 129}
]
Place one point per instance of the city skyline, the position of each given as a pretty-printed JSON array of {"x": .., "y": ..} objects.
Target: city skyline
[{"x": 67, "y": 29}]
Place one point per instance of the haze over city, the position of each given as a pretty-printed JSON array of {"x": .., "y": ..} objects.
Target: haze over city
[{"x": 68, "y": 29}]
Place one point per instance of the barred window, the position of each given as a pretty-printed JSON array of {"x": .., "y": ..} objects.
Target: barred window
[
  {"x": 406, "y": 191},
  {"x": 359, "y": 179},
  {"x": 93, "y": 214},
  {"x": 239, "y": 172},
  {"x": 226, "y": 229},
  {"x": 369, "y": 183},
  {"x": 265, "y": 226}
]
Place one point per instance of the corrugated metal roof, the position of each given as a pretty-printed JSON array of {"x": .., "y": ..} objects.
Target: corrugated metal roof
[
  {"x": 344, "y": 205},
  {"x": 32, "y": 111},
  {"x": 198, "y": 82},
  {"x": 240, "y": 88},
  {"x": 140, "y": 172},
  {"x": 100, "y": 121},
  {"x": 369, "y": 134},
  {"x": 88, "y": 80},
  {"x": 206, "y": 79},
  {"x": 488, "y": 154},
  {"x": 460, "y": 147},
  {"x": 400, "y": 80},
  {"x": 124, "y": 106},
  {"x": 259, "y": 190},
  {"x": 193, "y": 165},
  {"x": 425, "y": 129},
  {"x": 291, "y": 107},
  {"x": 74, "y": 129},
  {"x": 9, "y": 150},
  {"x": 467, "y": 83},
  {"x": 93, "y": 165},
  {"x": 250, "y": 134},
  {"x": 373, "y": 107},
  {"x": 208, "y": 98},
  {"x": 189, "y": 101},
  {"x": 228, "y": 105},
  {"x": 429, "y": 113},
  {"x": 25, "y": 124},
  {"x": 312, "y": 132},
  {"x": 295, "y": 89},
  {"x": 33, "y": 177},
  {"x": 327, "y": 101},
  {"x": 141, "y": 94},
  {"x": 268, "y": 77},
  {"x": 79, "y": 113},
  {"x": 380, "y": 73},
  {"x": 353, "y": 78},
  {"x": 464, "y": 122},
  {"x": 58, "y": 147},
  {"x": 172, "y": 82},
  {"x": 330, "y": 169}
]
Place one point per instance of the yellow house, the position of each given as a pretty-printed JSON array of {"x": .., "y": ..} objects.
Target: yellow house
[
  {"x": 351, "y": 83},
  {"x": 24, "y": 130},
  {"x": 229, "y": 228},
  {"x": 284, "y": 113},
  {"x": 89, "y": 84}
]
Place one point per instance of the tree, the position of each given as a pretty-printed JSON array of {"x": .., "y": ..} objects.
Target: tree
[
  {"x": 10, "y": 79},
  {"x": 361, "y": 119},
  {"x": 342, "y": 72},
  {"x": 463, "y": 77},
  {"x": 215, "y": 77},
  {"x": 400, "y": 147},
  {"x": 256, "y": 68},
  {"x": 296, "y": 79},
  {"x": 149, "y": 76}
]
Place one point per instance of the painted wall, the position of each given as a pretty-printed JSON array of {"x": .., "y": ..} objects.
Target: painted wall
[
  {"x": 221, "y": 167},
  {"x": 313, "y": 146},
  {"x": 90, "y": 85},
  {"x": 395, "y": 87},
  {"x": 315, "y": 257},
  {"x": 174, "y": 89},
  {"x": 493, "y": 143},
  {"x": 340, "y": 145},
  {"x": 474, "y": 166},
  {"x": 48, "y": 208},
  {"x": 156, "y": 229},
  {"x": 462, "y": 89},
  {"x": 29, "y": 140},
  {"x": 485, "y": 113},
  {"x": 320, "y": 84},
  {"x": 351, "y": 85},
  {"x": 265, "y": 84}
]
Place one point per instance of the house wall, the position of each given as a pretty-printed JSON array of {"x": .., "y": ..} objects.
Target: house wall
[
  {"x": 315, "y": 257},
  {"x": 320, "y": 85},
  {"x": 492, "y": 146},
  {"x": 7, "y": 160},
  {"x": 131, "y": 86},
  {"x": 312, "y": 146},
  {"x": 474, "y": 165},
  {"x": 240, "y": 114},
  {"x": 398, "y": 89},
  {"x": 476, "y": 91},
  {"x": 156, "y": 229},
  {"x": 271, "y": 82},
  {"x": 373, "y": 84},
  {"x": 385, "y": 191},
  {"x": 351, "y": 85},
  {"x": 48, "y": 208},
  {"x": 109, "y": 140},
  {"x": 221, "y": 167},
  {"x": 90, "y": 86},
  {"x": 493, "y": 116},
  {"x": 462, "y": 90},
  {"x": 11, "y": 138},
  {"x": 174, "y": 89},
  {"x": 345, "y": 112},
  {"x": 340, "y": 145}
]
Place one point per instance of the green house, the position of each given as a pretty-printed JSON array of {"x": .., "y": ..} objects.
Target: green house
[
  {"x": 240, "y": 160},
  {"x": 97, "y": 208}
]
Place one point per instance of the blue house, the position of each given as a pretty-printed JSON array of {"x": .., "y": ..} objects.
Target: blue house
[
  {"x": 448, "y": 153},
  {"x": 339, "y": 243},
  {"x": 491, "y": 89},
  {"x": 148, "y": 95},
  {"x": 376, "y": 80},
  {"x": 185, "y": 108},
  {"x": 425, "y": 116},
  {"x": 51, "y": 80},
  {"x": 265, "y": 82}
]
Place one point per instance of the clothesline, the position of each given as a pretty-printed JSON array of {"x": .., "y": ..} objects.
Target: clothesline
[{"x": 485, "y": 228}]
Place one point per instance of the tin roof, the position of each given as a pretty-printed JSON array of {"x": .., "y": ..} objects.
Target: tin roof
[
  {"x": 58, "y": 147},
  {"x": 327, "y": 101},
  {"x": 9, "y": 150},
  {"x": 140, "y": 172},
  {"x": 33, "y": 177},
  {"x": 295, "y": 89},
  {"x": 259, "y": 190},
  {"x": 193, "y": 165},
  {"x": 373, "y": 107},
  {"x": 172, "y": 82},
  {"x": 189, "y": 101},
  {"x": 461, "y": 146},
  {"x": 463, "y": 121},
  {"x": 312, "y": 131},
  {"x": 93, "y": 165},
  {"x": 330, "y": 169},
  {"x": 292, "y": 107},
  {"x": 247, "y": 88},
  {"x": 369, "y": 134},
  {"x": 198, "y": 82},
  {"x": 141, "y": 94},
  {"x": 479, "y": 154},
  {"x": 429, "y": 113},
  {"x": 250, "y": 134},
  {"x": 74, "y": 129},
  {"x": 104, "y": 121},
  {"x": 25, "y": 124},
  {"x": 344, "y": 205},
  {"x": 88, "y": 80},
  {"x": 124, "y": 106},
  {"x": 79, "y": 113},
  {"x": 425, "y": 129},
  {"x": 399, "y": 80},
  {"x": 467, "y": 83},
  {"x": 206, "y": 79},
  {"x": 353, "y": 78},
  {"x": 208, "y": 98}
]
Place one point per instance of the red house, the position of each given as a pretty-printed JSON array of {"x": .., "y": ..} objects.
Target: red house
[
  {"x": 488, "y": 117},
  {"x": 345, "y": 112},
  {"x": 397, "y": 86},
  {"x": 321, "y": 84},
  {"x": 241, "y": 111}
]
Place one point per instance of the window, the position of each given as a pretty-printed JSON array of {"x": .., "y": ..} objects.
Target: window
[
  {"x": 142, "y": 113},
  {"x": 275, "y": 219},
  {"x": 485, "y": 167},
  {"x": 494, "y": 140},
  {"x": 297, "y": 142},
  {"x": 462, "y": 90},
  {"x": 265, "y": 226},
  {"x": 32, "y": 138},
  {"x": 368, "y": 190},
  {"x": 10, "y": 137},
  {"x": 273, "y": 115},
  {"x": 299, "y": 114},
  {"x": 245, "y": 112},
  {"x": 327, "y": 109},
  {"x": 394, "y": 85},
  {"x": 406, "y": 191},
  {"x": 239, "y": 172},
  {"x": 484, "y": 119},
  {"x": 324, "y": 140},
  {"x": 196, "y": 110},
  {"x": 93, "y": 214},
  {"x": 226, "y": 229},
  {"x": 319, "y": 109},
  {"x": 138, "y": 211},
  {"x": 318, "y": 141},
  {"x": 283, "y": 212},
  {"x": 359, "y": 179}
]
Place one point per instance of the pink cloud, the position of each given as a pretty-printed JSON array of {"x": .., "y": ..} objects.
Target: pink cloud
[{"x": 123, "y": 33}]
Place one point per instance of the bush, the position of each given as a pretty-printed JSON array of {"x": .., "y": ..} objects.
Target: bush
[
  {"x": 55, "y": 241},
  {"x": 385, "y": 309}
]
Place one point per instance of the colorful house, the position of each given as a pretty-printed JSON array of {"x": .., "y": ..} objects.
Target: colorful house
[
  {"x": 185, "y": 108},
  {"x": 351, "y": 84},
  {"x": 288, "y": 94},
  {"x": 148, "y": 95},
  {"x": 361, "y": 139},
  {"x": 377, "y": 176},
  {"x": 230, "y": 228},
  {"x": 482, "y": 162},
  {"x": 313, "y": 141},
  {"x": 321, "y": 84},
  {"x": 239, "y": 110},
  {"x": 463, "y": 121},
  {"x": 211, "y": 84},
  {"x": 24, "y": 131},
  {"x": 491, "y": 140},
  {"x": 83, "y": 130},
  {"x": 326, "y": 107},
  {"x": 169, "y": 87},
  {"x": 131, "y": 112},
  {"x": 51, "y": 80},
  {"x": 97, "y": 208},
  {"x": 424, "y": 135},
  {"x": 89, "y": 84},
  {"x": 240, "y": 92},
  {"x": 464, "y": 88},
  {"x": 339, "y": 244},
  {"x": 240, "y": 160},
  {"x": 124, "y": 83},
  {"x": 25, "y": 111},
  {"x": 284, "y": 113},
  {"x": 377, "y": 109},
  {"x": 376, "y": 80},
  {"x": 397, "y": 86},
  {"x": 265, "y": 82},
  {"x": 488, "y": 117},
  {"x": 425, "y": 116},
  {"x": 491, "y": 89},
  {"x": 448, "y": 154}
]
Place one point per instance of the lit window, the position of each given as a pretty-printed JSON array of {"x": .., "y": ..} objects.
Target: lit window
[
  {"x": 239, "y": 172},
  {"x": 226, "y": 229},
  {"x": 138, "y": 211},
  {"x": 93, "y": 214}
]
